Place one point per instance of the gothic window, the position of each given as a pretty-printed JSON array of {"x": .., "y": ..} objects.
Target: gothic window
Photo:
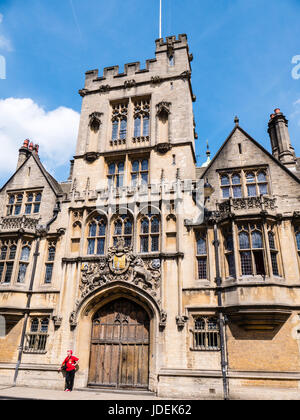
[
  {"x": 36, "y": 338},
  {"x": 141, "y": 118},
  {"x": 229, "y": 253},
  {"x": 202, "y": 257},
  {"x": 116, "y": 174},
  {"x": 122, "y": 228},
  {"x": 96, "y": 236},
  {"x": 7, "y": 259},
  {"x": 251, "y": 249},
  {"x": 24, "y": 262},
  {"x": 119, "y": 122},
  {"x": 206, "y": 334},
  {"x": 149, "y": 234},
  {"x": 50, "y": 263},
  {"x": 139, "y": 172},
  {"x": 273, "y": 251}
]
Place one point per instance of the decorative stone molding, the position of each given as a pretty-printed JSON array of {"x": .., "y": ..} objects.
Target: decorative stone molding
[
  {"x": 128, "y": 84},
  {"x": 17, "y": 223},
  {"x": 57, "y": 320},
  {"x": 181, "y": 321},
  {"x": 83, "y": 92},
  {"x": 121, "y": 265},
  {"x": 163, "y": 319},
  {"x": 156, "y": 80},
  {"x": 104, "y": 88},
  {"x": 163, "y": 107},
  {"x": 163, "y": 148}
]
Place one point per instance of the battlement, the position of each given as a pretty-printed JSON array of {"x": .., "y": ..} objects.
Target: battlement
[
  {"x": 162, "y": 45},
  {"x": 169, "y": 46}
]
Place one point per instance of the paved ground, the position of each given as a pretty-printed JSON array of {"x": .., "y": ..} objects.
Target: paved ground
[{"x": 11, "y": 393}]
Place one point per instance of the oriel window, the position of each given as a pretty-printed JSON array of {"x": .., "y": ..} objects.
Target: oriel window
[
  {"x": 251, "y": 248},
  {"x": 23, "y": 264},
  {"x": 50, "y": 263},
  {"x": 7, "y": 260},
  {"x": 202, "y": 256}
]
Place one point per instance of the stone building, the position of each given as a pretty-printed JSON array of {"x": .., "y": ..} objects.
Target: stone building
[{"x": 159, "y": 274}]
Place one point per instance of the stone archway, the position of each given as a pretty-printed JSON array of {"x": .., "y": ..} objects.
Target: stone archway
[{"x": 119, "y": 355}]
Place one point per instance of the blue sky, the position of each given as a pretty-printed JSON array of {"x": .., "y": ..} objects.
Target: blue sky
[{"x": 242, "y": 65}]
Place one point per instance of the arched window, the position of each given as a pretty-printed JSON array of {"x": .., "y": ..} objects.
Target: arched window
[
  {"x": 23, "y": 265},
  {"x": 206, "y": 334},
  {"x": 251, "y": 249},
  {"x": 119, "y": 122},
  {"x": 122, "y": 228},
  {"x": 96, "y": 236},
  {"x": 141, "y": 120},
  {"x": 36, "y": 338},
  {"x": 229, "y": 253},
  {"x": 149, "y": 233},
  {"x": 273, "y": 251},
  {"x": 202, "y": 256},
  {"x": 7, "y": 258}
]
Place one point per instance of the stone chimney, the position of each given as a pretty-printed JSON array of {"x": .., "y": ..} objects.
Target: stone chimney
[
  {"x": 24, "y": 152},
  {"x": 280, "y": 139}
]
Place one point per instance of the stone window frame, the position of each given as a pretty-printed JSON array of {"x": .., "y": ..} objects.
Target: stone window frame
[
  {"x": 120, "y": 220},
  {"x": 24, "y": 202},
  {"x": 36, "y": 338},
  {"x": 119, "y": 112},
  {"x": 113, "y": 178},
  {"x": 244, "y": 185},
  {"x": 229, "y": 252},
  {"x": 141, "y": 113},
  {"x": 205, "y": 331},
  {"x": 151, "y": 237},
  {"x": 99, "y": 237},
  {"x": 6, "y": 261},
  {"x": 139, "y": 173},
  {"x": 202, "y": 256},
  {"x": 24, "y": 262},
  {"x": 49, "y": 263}
]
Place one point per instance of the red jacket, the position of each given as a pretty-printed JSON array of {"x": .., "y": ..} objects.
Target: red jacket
[{"x": 70, "y": 360}]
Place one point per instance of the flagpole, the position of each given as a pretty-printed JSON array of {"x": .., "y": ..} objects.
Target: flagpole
[{"x": 160, "y": 18}]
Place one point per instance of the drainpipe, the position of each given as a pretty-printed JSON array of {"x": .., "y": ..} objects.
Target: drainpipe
[
  {"x": 224, "y": 363},
  {"x": 36, "y": 254}
]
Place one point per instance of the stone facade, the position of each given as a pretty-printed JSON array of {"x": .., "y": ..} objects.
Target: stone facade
[{"x": 217, "y": 297}]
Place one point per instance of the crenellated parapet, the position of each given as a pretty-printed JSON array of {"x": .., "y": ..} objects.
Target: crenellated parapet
[{"x": 172, "y": 54}]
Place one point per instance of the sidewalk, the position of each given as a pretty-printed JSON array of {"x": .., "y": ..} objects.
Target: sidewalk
[{"x": 11, "y": 393}]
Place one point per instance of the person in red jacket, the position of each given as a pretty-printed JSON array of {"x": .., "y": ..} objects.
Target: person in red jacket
[{"x": 70, "y": 363}]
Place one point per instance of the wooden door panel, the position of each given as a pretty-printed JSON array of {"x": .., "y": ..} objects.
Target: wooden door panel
[{"x": 120, "y": 346}]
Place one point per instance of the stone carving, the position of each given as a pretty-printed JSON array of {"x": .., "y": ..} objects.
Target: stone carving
[
  {"x": 104, "y": 88},
  {"x": 163, "y": 107},
  {"x": 120, "y": 265},
  {"x": 163, "y": 319},
  {"x": 16, "y": 223},
  {"x": 181, "y": 320},
  {"x": 129, "y": 84}
]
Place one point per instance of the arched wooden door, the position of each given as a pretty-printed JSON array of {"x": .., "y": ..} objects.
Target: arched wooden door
[{"x": 120, "y": 346}]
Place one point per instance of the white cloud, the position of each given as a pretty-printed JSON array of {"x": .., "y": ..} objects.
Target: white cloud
[{"x": 55, "y": 132}]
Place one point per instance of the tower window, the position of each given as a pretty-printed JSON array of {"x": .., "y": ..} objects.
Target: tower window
[
  {"x": 119, "y": 122},
  {"x": 141, "y": 119},
  {"x": 201, "y": 257},
  {"x": 96, "y": 236}
]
